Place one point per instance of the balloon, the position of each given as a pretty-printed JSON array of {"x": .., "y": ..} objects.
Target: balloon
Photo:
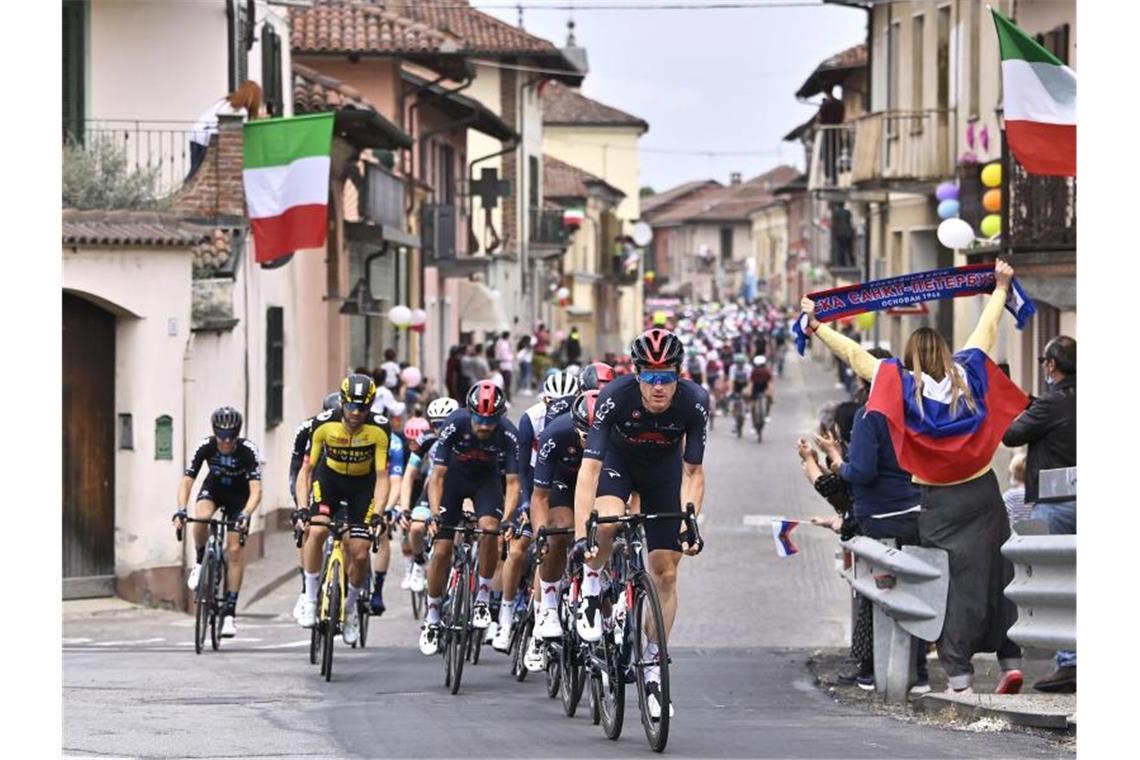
[
  {"x": 947, "y": 191},
  {"x": 991, "y": 175},
  {"x": 991, "y": 225},
  {"x": 955, "y": 233},
  {"x": 991, "y": 201},
  {"x": 559, "y": 335},
  {"x": 865, "y": 321},
  {"x": 418, "y": 318},
  {"x": 400, "y": 316},
  {"x": 563, "y": 293},
  {"x": 660, "y": 317},
  {"x": 948, "y": 209},
  {"x": 412, "y": 377}
]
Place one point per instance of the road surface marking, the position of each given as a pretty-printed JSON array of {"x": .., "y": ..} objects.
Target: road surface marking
[
  {"x": 290, "y": 645},
  {"x": 127, "y": 643}
]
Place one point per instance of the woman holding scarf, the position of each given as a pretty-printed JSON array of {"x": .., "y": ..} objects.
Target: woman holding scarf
[{"x": 946, "y": 414}]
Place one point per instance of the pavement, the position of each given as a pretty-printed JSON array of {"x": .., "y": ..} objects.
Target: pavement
[{"x": 757, "y": 645}]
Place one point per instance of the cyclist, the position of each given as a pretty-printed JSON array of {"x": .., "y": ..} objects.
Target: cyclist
[
  {"x": 417, "y": 434},
  {"x": 594, "y": 376},
  {"x": 233, "y": 482},
  {"x": 300, "y": 455},
  {"x": 415, "y": 496},
  {"x": 397, "y": 453},
  {"x": 466, "y": 464},
  {"x": 647, "y": 435},
  {"x": 558, "y": 392},
  {"x": 761, "y": 380},
  {"x": 351, "y": 479},
  {"x": 555, "y": 480}
]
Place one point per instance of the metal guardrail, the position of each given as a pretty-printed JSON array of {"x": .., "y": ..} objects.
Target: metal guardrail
[
  {"x": 908, "y": 589},
  {"x": 157, "y": 153},
  {"x": 1044, "y": 588}
]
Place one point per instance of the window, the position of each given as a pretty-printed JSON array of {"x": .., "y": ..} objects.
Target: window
[
  {"x": 893, "y": 66},
  {"x": 1056, "y": 41},
  {"x": 74, "y": 68},
  {"x": 274, "y": 365},
  {"x": 271, "y": 84},
  {"x": 725, "y": 243},
  {"x": 535, "y": 182},
  {"x": 240, "y": 19}
]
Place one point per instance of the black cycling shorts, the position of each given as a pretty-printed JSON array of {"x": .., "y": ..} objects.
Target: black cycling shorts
[
  {"x": 659, "y": 484},
  {"x": 232, "y": 503},
  {"x": 486, "y": 492},
  {"x": 344, "y": 497}
]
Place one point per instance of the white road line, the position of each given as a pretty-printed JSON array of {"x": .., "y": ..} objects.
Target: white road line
[
  {"x": 760, "y": 521},
  {"x": 290, "y": 645},
  {"x": 76, "y": 641},
  {"x": 127, "y": 643}
]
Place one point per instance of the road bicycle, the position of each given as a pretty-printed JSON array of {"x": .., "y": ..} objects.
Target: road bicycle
[
  {"x": 633, "y": 606},
  {"x": 332, "y": 595},
  {"x": 456, "y": 629},
  {"x": 736, "y": 404},
  {"x": 526, "y": 603},
  {"x": 419, "y": 598},
  {"x": 211, "y": 581},
  {"x": 758, "y": 414},
  {"x": 566, "y": 656}
]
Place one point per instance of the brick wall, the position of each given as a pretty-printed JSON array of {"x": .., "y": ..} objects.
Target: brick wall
[
  {"x": 508, "y": 92},
  {"x": 216, "y": 189}
]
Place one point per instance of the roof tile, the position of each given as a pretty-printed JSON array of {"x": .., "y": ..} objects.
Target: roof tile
[
  {"x": 720, "y": 203},
  {"x": 562, "y": 180},
  {"x": 565, "y": 105},
  {"x": 130, "y": 228}
]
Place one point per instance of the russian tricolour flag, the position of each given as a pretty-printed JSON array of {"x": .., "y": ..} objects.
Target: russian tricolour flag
[
  {"x": 933, "y": 445},
  {"x": 781, "y": 532}
]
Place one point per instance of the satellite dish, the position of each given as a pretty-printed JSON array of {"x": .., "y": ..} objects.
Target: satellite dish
[{"x": 642, "y": 234}]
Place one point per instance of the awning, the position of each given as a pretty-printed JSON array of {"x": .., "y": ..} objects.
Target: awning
[{"x": 480, "y": 309}]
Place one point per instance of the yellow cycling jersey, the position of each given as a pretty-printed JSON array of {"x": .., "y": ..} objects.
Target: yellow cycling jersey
[{"x": 355, "y": 454}]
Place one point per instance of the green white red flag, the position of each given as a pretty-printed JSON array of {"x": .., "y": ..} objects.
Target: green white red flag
[
  {"x": 1040, "y": 103},
  {"x": 285, "y": 171}
]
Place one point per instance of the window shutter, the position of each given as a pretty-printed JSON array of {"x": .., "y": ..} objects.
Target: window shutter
[
  {"x": 74, "y": 60},
  {"x": 271, "y": 79},
  {"x": 275, "y": 365}
]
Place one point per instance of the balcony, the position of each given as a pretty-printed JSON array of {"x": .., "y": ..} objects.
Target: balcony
[
  {"x": 832, "y": 155},
  {"x": 1041, "y": 211},
  {"x": 546, "y": 228},
  {"x": 124, "y": 164},
  {"x": 906, "y": 151},
  {"x": 381, "y": 207},
  {"x": 438, "y": 228}
]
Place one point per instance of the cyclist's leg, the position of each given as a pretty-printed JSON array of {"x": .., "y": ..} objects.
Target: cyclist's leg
[
  {"x": 488, "y": 499},
  {"x": 662, "y": 493},
  {"x": 358, "y": 543},
  {"x": 234, "y": 553},
  {"x": 204, "y": 509},
  {"x": 450, "y": 511},
  {"x": 325, "y": 494}
]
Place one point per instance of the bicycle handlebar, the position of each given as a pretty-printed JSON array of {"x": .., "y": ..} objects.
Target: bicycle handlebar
[
  {"x": 230, "y": 524},
  {"x": 689, "y": 516},
  {"x": 544, "y": 533}
]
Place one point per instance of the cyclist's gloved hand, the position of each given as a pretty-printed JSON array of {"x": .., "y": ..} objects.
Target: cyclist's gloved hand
[
  {"x": 242, "y": 523},
  {"x": 377, "y": 520},
  {"x": 298, "y": 517},
  {"x": 578, "y": 551},
  {"x": 179, "y": 515}
]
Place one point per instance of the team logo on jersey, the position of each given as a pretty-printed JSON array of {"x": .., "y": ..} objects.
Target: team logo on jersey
[
  {"x": 636, "y": 414},
  {"x": 601, "y": 412},
  {"x": 547, "y": 447},
  {"x": 571, "y": 451},
  {"x": 613, "y": 473}
]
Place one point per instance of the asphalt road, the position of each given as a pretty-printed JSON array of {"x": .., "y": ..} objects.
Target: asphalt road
[{"x": 748, "y": 621}]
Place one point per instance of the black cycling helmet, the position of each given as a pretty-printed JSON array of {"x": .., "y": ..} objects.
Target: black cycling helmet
[
  {"x": 486, "y": 399},
  {"x": 357, "y": 388},
  {"x": 226, "y": 419},
  {"x": 657, "y": 348},
  {"x": 595, "y": 375},
  {"x": 332, "y": 401},
  {"x": 583, "y": 410}
]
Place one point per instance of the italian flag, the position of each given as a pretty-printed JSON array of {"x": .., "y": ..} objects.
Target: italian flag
[
  {"x": 1040, "y": 95},
  {"x": 285, "y": 170}
]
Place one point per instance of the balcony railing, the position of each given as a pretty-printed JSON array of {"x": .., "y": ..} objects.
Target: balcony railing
[
  {"x": 1041, "y": 211},
  {"x": 382, "y": 201},
  {"x": 149, "y": 159},
  {"x": 546, "y": 227},
  {"x": 902, "y": 149},
  {"x": 438, "y": 227},
  {"x": 832, "y": 156}
]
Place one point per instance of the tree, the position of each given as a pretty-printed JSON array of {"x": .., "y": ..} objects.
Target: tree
[{"x": 646, "y": 191}]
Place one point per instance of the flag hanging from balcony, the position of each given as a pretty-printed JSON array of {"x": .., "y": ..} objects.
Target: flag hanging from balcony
[
  {"x": 1040, "y": 103},
  {"x": 285, "y": 170}
]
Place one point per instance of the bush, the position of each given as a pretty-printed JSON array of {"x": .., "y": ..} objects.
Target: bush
[{"x": 97, "y": 176}]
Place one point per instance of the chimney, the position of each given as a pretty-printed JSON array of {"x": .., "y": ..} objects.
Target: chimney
[
  {"x": 216, "y": 188},
  {"x": 734, "y": 178}
]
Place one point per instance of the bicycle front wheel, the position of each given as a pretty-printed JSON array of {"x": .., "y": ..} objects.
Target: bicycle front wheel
[
  {"x": 330, "y": 621},
  {"x": 459, "y": 627},
  {"x": 203, "y": 598},
  {"x": 417, "y": 604},
  {"x": 520, "y": 640},
  {"x": 218, "y": 604},
  {"x": 647, "y": 609},
  {"x": 612, "y": 686}
]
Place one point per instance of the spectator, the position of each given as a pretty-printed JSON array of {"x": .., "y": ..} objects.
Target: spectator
[
  {"x": 467, "y": 371},
  {"x": 962, "y": 512},
  {"x": 1014, "y": 496},
  {"x": 1049, "y": 428},
  {"x": 481, "y": 367},
  {"x": 244, "y": 101},
  {"x": 452, "y": 377},
  {"x": 385, "y": 400},
  {"x": 574, "y": 347},
  {"x": 524, "y": 353},
  {"x": 505, "y": 359},
  {"x": 391, "y": 369}
]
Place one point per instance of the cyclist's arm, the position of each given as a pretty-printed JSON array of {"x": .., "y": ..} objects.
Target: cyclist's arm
[
  {"x": 254, "y": 500},
  {"x": 435, "y": 487},
  {"x": 693, "y": 485},
  {"x": 539, "y": 507},
  {"x": 526, "y": 446},
  {"x": 185, "y": 486},
  {"x": 511, "y": 499},
  {"x": 252, "y": 456},
  {"x": 383, "y": 481},
  {"x": 407, "y": 483},
  {"x": 395, "y": 490},
  {"x": 584, "y": 490}
]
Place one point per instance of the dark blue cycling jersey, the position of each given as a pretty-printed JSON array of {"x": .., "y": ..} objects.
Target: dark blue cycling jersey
[
  {"x": 460, "y": 450},
  {"x": 559, "y": 455},
  {"x": 533, "y": 422},
  {"x": 623, "y": 422}
]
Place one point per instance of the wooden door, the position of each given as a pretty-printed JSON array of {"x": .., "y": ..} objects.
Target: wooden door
[{"x": 88, "y": 448}]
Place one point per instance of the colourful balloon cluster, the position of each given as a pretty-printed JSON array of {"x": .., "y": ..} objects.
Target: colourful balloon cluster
[
  {"x": 991, "y": 201},
  {"x": 957, "y": 233}
]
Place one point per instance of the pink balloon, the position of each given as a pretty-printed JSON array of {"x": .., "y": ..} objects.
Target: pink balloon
[
  {"x": 559, "y": 335},
  {"x": 411, "y": 376}
]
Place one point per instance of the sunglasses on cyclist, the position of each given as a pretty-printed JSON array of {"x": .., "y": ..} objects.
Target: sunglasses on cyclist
[
  {"x": 494, "y": 420},
  {"x": 351, "y": 407},
  {"x": 437, "y": 424},
  {"x": 225, "y": 435},
  {"x": 658, "y": 376}
]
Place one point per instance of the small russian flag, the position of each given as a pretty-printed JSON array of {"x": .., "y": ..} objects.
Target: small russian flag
[{"x": 781, "y": 533}]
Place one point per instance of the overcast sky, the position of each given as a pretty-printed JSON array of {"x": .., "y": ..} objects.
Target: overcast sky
[{"x": 704, "y": 79}]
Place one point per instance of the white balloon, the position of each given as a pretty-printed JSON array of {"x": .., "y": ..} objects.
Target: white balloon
[
  {"x": 955, "y": 233},
  {"x": 562, "y": 293},
  {"x": 419, "y": 317},
  {"x": 400, "y": 316},
  {"x": 411, "y": 376}
]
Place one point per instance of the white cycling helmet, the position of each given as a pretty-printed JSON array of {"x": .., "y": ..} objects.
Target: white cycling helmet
[
  {"x": 560, "y": 384},
  {"x": 760, "y": 361},
  {"x": 441, "y": 409}
]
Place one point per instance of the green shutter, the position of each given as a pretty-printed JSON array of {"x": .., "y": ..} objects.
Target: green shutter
[{"x": 274, "y": 365}]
